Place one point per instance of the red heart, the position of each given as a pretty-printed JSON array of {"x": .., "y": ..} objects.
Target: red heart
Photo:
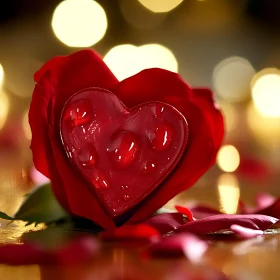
[{"x": 123, "y": 154}]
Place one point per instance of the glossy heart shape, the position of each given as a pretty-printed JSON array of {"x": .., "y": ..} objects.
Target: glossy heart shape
[{"x": 122, "y": 154}]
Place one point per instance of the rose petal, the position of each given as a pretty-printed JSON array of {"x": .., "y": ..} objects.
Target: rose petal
[
  {"x": 140, "y": 232},
  {"x": 166, "y": 222},
  {"x": 23, "y": 254},
  {"x": 202, "y": 211},
  {"x": 272, "y": 210},
  {"x": 245, "y": 233},
  {"x": 225, "y": 221},
  {"x": 179, "y": 245},
  {"x": 264, "y": 200},
  {"x": 77, "y": 251},
  {"x": 185, "y": 211},
  {"x": 37, "y": 177}
]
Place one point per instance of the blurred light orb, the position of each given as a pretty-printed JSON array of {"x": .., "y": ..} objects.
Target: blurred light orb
[
  {"x": 127, "y": 60},
  {"x": 228, "y": 158},
  {"x": 160, "y": 6},
  {"x": 26, "y": 127},
  {"x": 266, "y": 130},
  {"x": 230, "y": 115},
  {"x": 1, "y": 74},
  {"x": 4, "y": 108},
  {"x": 266, "y": 92},
  {"x": 79, "y": 23},
  {"x": 229, "y": 193},
  {"x": 231, "y": 78}
]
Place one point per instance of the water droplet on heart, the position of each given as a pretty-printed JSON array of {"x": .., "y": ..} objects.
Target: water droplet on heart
[
  {"x": 158, "y": 110},
  {"x": 79, "y": 112},
  {"x": 99, "y": 179},
  {"x": 87, "y": 156},
  {"x": 124, "y": 187},
  {"x": 149, "y": 167},
  {"x": 123, "y": 148},
  {"x": 162, "y": 137},
  {"x": 126, "y": 198}
]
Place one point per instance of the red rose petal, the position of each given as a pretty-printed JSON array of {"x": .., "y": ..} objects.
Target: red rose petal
[
  {"x": 202, "y": 211},
  {"x": 23, "y": 254},
  {"x": 166, "y": 222},
  {"x": 76, "y": 251},
  {"x": 179, "y": 245},
  {"x": 225, "y": 221},
  {"x": 139, "y": 232},
  {"x": 264, "y": 200},
  {"x": 245, "y": 233},
  {"x": 272, "y": 210},
  {"x": 185, "y": 211}
]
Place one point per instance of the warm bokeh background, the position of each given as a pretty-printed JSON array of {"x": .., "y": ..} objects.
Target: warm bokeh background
[{"x": 231, "y": 46}]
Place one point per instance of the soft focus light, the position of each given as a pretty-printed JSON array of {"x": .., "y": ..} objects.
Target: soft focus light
[
  {"x": 127, "y": 60},
  {"x": 79, "y": 23},
  {"x": 4, "y": 108},
  {"x": 1, "y": 74},
  {"x": 232, "y": 77},
  {"x": 160, "y": 6},
  {"x": 228, "y": 158},
  {"x": 266, "y": 130},
  {"x": 26, "y": 127},
  {"x": 266, "y": 92},
  {"x": 229, "y": 193},
  {"x": 230, "y": 115}
]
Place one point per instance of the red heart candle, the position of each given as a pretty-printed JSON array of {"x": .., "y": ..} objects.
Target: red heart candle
[{"x": 122, "y": 154}]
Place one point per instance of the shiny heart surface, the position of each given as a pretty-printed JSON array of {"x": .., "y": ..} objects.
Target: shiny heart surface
[{"x": 122, "y": 154}]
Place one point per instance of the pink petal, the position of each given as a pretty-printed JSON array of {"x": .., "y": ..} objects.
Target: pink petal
[
  {"x": 272, "y": 210},
  {"x": 245, "y": 233},
  {"x": 166, "y": 222},
  {"x": 77, "y": 251},
  {"x": 139, "y": 232},
  {"x": 225, "y": 221},
  {"x": 179, "y": 245},
  {"x": 37, "y": 177},
  {"x": 264, "y": 200},
  {"x": 23, "y": 254}
]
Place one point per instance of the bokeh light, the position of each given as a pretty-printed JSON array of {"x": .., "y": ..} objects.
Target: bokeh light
[
  {"x": 4, "y": 108},
  {"x": 266, "y": 92},
  {"x": 228, "y": 158},
  {"x": 160, "y": 6},
  {"x": 127, "y": 60},
  {"x": 266, "y": 130},
  {"x": 79, "y": 23},
  {"x": 139, "y": 17},
  {"x": 229, "y": 193},
  {"x": 1, "y": 74},
  {"x": 232, "y": 77},
  {"x": 230, "y": 114},
  {"x": 25, "y": 126}
]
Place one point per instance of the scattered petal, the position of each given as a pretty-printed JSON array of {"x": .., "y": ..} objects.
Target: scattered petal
[
  {"x": 139, "y": 232},
  {"x": 202, "y": 211},
  {"x": 23, "y": 254},
  {"x": 272, "y": 210},
  {"x": 264, "y": 200},
  {"x": 179, "y": 245},
  {"x": 167, "y": 222},
  {"x": 77, "y": 251},
  {"x": 185, "y": 211},
  {"x": 225, "y": 221},
  {"x": 245, "y": 233}
]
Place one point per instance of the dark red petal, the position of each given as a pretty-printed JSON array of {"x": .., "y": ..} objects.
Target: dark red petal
[
  {"x": 23, "y": 254},
  {"x": 225, "y": 221},
  {"x": 201, "y": 211},
  {"x": 131, "y": 232},
  {"x": 166, "y": 222},
  {"x": 165, "y": 86},
  {"x": 245, "y": 233},
  {"x": 205, "y": 99},
  {"x": 71, "y": 190},
  {"x": 76, "y": 251},
  {"x": 179, "y": 245}
]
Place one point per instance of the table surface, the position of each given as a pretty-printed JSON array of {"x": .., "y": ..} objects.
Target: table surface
[{"x": 254, "y": 259}]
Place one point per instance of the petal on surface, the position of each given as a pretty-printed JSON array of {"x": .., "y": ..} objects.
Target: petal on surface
[
  {"x": 245, "y": 233},
  {"x": 225, "y": 221}
]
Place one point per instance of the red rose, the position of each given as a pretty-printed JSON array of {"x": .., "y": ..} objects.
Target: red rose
[{"x": 62, "y": 77}]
